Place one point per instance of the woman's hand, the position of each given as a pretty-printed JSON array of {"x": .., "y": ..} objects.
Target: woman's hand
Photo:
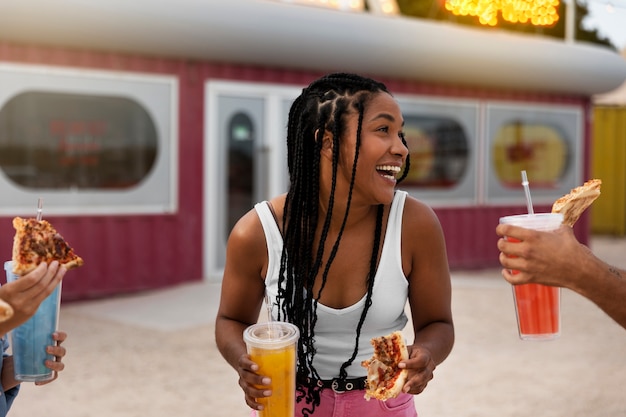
[
  {"x": 253, "y": 385},
  {"x": 420, "y": 366}
]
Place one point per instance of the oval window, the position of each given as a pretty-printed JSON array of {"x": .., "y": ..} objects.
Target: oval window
[
  {"x": 59, "y": 140},
  {"x": 439, "y": 151}
]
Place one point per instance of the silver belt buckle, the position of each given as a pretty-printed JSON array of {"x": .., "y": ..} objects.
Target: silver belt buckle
[{"x": 349, "y": 386}]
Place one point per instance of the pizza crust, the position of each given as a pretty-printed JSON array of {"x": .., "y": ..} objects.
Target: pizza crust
[
  {"x": 384, "y": 379},
  {"x": 38, "y": 241},
  {"x": 573, "y": 205}
]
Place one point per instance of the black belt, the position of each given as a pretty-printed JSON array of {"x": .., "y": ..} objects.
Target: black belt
[{"x": 343, "y": 385}]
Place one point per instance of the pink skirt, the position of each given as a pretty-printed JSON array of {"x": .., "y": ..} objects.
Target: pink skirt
[{"x": 353, "y": 403}]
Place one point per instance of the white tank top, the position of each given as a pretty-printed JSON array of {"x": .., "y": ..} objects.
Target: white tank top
[{"x": 335, "y": 330}]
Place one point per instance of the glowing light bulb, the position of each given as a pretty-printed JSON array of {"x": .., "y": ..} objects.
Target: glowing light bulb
[{"x": 538, "y": 12}]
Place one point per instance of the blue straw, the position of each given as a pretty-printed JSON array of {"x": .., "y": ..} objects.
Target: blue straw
[{"x": 529, "y": 202}]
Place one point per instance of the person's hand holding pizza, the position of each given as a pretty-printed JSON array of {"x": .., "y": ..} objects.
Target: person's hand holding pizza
[
  {"x": 396, "y": 368},
  {"x": 550, "y": 258},
  {"x": 40, "y": 257},
  {"x": 420, "y": 367},
  {"x": 26, "y": 294}
]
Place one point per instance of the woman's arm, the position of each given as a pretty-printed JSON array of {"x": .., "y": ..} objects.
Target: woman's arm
[
  {"x": 243, "y": 289},
  {"x": 425, "y": 263}
]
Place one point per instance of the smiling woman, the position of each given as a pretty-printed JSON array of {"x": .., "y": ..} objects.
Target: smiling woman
[{"x": 340, "y": 255}]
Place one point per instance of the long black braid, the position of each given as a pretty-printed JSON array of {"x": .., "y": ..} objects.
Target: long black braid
[{"x": 321, "y": 107}]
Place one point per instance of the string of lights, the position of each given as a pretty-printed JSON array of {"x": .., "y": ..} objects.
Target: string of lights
[{"x": 537, "y": 12}]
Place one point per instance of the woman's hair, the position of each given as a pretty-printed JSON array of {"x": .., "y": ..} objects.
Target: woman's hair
[{"x": 322, "y": 106}]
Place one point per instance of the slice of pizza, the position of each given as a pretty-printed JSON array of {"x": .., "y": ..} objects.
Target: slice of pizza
[
  {"x": 6, "y": 311},
  {"x": 384, "y": 379},
  {"x": 36, "y": 242},
  {"x": 573, "y": 205}
]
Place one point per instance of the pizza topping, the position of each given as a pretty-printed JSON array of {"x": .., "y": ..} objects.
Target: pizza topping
[
  {"x": 384, "y": 378},
  {"x": 36, "y": 242}
]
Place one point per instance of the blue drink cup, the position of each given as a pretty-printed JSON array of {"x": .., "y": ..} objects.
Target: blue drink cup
[{"x": 29, "y": 340}]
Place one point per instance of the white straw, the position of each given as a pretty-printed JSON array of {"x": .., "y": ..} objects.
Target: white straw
[
  {"x": 529, "y": 202},
  {"x": 268, "y": 308},
  {"x": 39, "y": 208}
]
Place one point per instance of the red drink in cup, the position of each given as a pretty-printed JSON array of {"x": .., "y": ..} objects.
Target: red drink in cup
[{"x": 537, "y": 306}]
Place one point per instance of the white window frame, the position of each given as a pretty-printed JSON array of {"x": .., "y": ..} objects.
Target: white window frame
[{"x": 158, "y": 94}]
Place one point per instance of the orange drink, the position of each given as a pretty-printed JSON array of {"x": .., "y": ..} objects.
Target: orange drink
[
  {"x": 272, "y": 346},
  {"x": 538, "y": 311},
  {"x": 537, "y": 306}
]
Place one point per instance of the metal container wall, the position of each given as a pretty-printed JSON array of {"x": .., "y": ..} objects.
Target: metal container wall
[
  {"x": 131, "y": 252},
  {"x": 608, "y": 213}
]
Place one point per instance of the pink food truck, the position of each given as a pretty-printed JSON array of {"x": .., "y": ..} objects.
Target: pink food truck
[{"x": 148, "y": 128}]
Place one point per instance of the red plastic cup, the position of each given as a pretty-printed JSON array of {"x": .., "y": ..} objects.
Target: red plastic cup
[{"x": 537, "y": 306}]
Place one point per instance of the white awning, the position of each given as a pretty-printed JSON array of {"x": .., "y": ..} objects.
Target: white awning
[{"x": 287, "y": 35}]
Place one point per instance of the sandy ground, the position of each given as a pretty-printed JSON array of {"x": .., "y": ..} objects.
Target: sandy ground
[{"x": 153, "y": 354}]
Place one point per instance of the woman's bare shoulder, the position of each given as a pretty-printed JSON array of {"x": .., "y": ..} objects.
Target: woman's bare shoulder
[
  {"x": 418, "y": 213},
  {"x": 248, "y": 232}
]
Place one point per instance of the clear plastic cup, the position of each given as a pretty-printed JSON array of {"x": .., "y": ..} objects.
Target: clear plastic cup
[
  {"x": 30, "y": 339},
  {"x": 273, "y": 347},
  {"x": 537, "y": 306}
]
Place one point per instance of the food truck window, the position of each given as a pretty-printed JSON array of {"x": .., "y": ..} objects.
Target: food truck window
[
  {"x": 539, "y": 149},
  {"x": 52, "y": 140},
  {"x": 444, "y": 143},
  {"x": 546, "y": 141},
  {"x": 439, "y": 151}
]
